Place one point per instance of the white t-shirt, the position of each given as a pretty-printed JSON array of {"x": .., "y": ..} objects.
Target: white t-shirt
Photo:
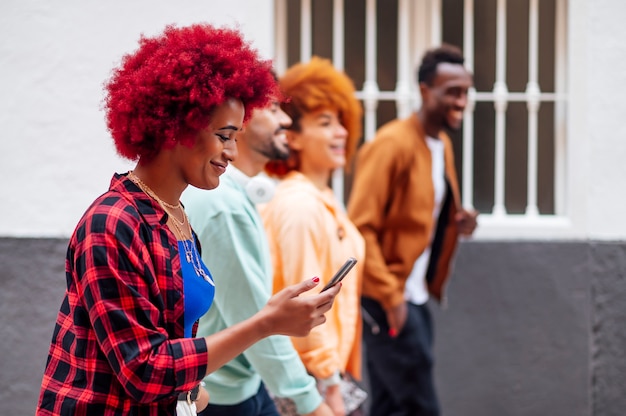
[{"x": 415, "y": 290}]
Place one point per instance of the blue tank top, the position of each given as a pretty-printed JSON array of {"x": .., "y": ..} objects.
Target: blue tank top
[{"x": 199, "y": 290}]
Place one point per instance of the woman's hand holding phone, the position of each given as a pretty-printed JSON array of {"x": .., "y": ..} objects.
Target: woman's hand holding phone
[{"x": 288, "y": 313}]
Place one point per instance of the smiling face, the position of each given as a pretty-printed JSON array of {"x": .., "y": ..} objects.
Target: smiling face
[
  {"x": 320, "y": 141},
  {"x": 214, "y": 147},
  {"x": 265, "y": 134},
  {"x": 444, "y": 100}
]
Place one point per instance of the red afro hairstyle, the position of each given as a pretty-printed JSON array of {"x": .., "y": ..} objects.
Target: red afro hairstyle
[
  {"x": 313, "y": 86},
  {"x": 166, "y": 90}
]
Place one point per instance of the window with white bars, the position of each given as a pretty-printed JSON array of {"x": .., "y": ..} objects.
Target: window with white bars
[{"x": 511, "y": 151}]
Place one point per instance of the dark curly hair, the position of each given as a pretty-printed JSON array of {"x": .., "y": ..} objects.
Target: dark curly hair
[
  {"x": 433, "y": 57},
  {"x": 312, "y": 86},
  {"x": 165, "y": 91}
]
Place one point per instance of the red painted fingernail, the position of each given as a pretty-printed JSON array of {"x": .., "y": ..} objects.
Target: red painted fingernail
[
  {"x": 316, "y": 279},
  {"x": 392, "y": 332}
]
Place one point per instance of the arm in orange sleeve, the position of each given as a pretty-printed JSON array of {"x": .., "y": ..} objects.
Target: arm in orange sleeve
[{"x": 377, "y": 170}]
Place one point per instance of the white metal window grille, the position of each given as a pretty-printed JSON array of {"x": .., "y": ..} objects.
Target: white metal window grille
[{"x": 511, "y": 151}]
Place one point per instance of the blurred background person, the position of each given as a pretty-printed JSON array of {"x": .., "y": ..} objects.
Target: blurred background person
[
  {"x": 405, "y": 201},
  {"x": 308, "y": 230}
]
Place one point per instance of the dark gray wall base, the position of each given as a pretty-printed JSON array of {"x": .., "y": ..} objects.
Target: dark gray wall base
[
  {"x": 608, "y": 324},
  {"x": 531, "y": 328},
  {"x": 534, "y": 328},
  {"x": 32, "y": 283}
]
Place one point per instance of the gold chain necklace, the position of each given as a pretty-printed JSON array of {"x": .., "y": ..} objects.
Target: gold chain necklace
[
  {"x": 191, "y": 255},
  {"x": 132, "y": 176},
  {"x": 148, "y": 191}
]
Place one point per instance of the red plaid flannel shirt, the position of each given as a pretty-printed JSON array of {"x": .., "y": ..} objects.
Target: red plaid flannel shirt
[{"x": 118, "y": 346}]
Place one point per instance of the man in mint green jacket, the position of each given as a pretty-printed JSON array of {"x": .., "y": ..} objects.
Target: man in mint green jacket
[{"x": 235, "y": 249}]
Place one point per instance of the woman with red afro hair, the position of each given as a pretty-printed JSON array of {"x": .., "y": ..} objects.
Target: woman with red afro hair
[
  {"x": 124, "y": 341},
  {"x": 307, "y": 227}
]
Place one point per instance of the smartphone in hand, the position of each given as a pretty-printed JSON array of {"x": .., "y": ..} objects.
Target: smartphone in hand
[{"x": 341, "y": 273}]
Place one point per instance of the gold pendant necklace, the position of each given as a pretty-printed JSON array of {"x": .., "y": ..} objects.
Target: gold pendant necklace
[
  {"x": 191, "y": 255},
  {"x": 148, "y": 191}
]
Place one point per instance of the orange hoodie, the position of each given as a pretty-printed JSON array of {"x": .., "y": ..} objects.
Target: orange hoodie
[{"x": 310, "y": 235}]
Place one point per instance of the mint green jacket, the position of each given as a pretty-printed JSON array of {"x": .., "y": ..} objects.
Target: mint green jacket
[{"x": 235, "y": 249}]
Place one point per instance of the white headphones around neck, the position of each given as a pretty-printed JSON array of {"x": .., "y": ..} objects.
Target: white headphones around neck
[{"x": 260, "y": 189}]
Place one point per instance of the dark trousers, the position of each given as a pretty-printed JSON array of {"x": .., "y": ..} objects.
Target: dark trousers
[
  {"x": 261, "y": 404},
  {"x": 400, "y": 370}
]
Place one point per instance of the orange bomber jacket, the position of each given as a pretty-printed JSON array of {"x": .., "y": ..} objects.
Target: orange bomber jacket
[{"x": 392, "y": 202}]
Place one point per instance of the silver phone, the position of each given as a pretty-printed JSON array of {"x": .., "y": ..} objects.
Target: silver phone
[{"x": 341, "y": 273}]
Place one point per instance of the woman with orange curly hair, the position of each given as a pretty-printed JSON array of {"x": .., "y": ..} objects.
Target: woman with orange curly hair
[
  {"x": 307, "y": 227},
  {"x": 136, "y": 285}
]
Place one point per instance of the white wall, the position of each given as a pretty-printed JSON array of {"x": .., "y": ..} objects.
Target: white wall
[
  {"x": 597, "y": 131},
  {"x": 55, "y": 153},
  {"x": 606, "y": 91}
]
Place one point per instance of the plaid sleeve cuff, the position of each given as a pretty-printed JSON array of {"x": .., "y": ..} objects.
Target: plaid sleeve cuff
[{"x": 190, "y": 362}]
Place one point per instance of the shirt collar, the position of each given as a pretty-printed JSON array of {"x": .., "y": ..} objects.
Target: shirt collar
[{"x": 147, "y": 207}]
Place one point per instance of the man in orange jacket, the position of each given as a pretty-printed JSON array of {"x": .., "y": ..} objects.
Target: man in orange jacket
[{"x": 405, "y": 202}]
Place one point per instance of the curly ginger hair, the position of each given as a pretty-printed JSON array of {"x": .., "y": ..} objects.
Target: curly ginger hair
[
  {"x": 166, "y": 90},
  {"x": 313, "y": 86}
]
